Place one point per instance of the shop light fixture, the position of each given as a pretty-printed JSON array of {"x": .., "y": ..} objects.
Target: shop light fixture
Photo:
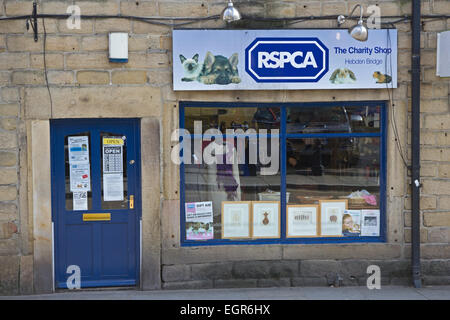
[
  {"x": 358, "y": 31},
  {"x": 230, "y": 13}
]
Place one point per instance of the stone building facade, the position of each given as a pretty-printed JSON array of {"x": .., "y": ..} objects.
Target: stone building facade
[{"x": 84, "y": 84}]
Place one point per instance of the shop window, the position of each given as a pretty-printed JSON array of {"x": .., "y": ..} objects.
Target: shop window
[{"x": 282, "y": 173}]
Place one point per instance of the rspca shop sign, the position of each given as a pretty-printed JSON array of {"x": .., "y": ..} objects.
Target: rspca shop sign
[
  {"x": 283, "y": 59},
  {"x": 286, "y": 60}
]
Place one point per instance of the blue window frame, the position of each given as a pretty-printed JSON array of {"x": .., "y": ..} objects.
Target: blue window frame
[{"x": 283, "y": 122}]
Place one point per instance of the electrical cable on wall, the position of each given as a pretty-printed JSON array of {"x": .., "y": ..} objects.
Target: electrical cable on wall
[{"x": 45, "y": 69}]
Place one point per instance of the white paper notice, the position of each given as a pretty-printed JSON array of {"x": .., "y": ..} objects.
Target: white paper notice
[
  {"x": 80, "y": 200},
  {"x": 78, "y": 149},
  {"x": 370, "y": 223},
  {"x": 80, "y": 179},
  {"x": 113, "y": 187},
  {"x": 113, "y": 168}
]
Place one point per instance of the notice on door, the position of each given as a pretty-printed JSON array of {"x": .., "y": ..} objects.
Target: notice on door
[
  {"x": 113, "y": 168},
  {"x": 78, "y": 149},
  {"x": 80, "y": 179},
  {"x": 80, "y": 200},
  {"x": 80, "y": 175}
]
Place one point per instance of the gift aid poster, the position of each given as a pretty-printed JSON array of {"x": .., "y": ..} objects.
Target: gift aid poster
[{"x": 283, "y": 59}]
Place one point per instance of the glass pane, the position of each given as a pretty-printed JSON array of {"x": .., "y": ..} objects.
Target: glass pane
[
  {"x": 338, "y": 168},
  {"x": 338, "y": 119},
  {"x": 77, "y": 158},
  {"x": 243, "y": 175},
  {"x": 113, "y": 160},
  {"x": 232, "y": 118}
]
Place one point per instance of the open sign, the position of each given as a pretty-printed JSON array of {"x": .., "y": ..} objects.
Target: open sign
[{"x": 286, "y": 59}]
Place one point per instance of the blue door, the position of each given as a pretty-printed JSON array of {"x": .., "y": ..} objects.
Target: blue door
[{"x": 95, "y": 200}]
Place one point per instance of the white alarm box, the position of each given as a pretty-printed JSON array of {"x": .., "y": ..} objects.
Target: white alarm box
[
  {"x": 443, "y": 54},
  {"x": 118, "y": 47}
]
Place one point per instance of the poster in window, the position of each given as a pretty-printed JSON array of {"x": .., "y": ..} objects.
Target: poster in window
[
  {"x": 113, "y": 168},
  {"x": 331, "y": 212},
  {"x": 302, "y": 221},
  {"x": 80, "y": 201},
  {"x": 236, "y": 219},
  {"x": 266, "y": 219},
  {"x": 199, "y": 220},
  {"x": 80, "y": 178},
  {"x": 351, "y": 223},
  {"x": 78, "y": 149},
  {"x": 370, "y": 220}
]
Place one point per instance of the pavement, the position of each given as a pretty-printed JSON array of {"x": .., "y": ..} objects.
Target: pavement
[{"x": 288, "y": 293}]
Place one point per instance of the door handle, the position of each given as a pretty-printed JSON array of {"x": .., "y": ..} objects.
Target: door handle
[{"x": 131, "y": 202}]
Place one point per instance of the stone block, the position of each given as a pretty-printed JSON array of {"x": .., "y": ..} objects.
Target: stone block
[
  {"x": 9, "y": 275},
  {"x": 86, "y": 27},
  {"x": 8, "y": 159},
  {"x": 62, "y": 43},
  {"x": 95, "y": 43},
  {"x": 332, "y": 8},
  {"x": 61, "y": 77},
  {"x": 271, "y": 283},
  {"x": 8, "y": 175},
  {"x": 235, "y": 283},
  {"x": 92, "y": 60},
  {"x": 187, "y": 255},
  {"x": 138, "y": 8},
  {"x": 9, "y": 110},
  {"x": 10, "y": 60},
  {"x": 129, "y": 77},
  {"x": 439, "y": 235},
  {"x": 93, "y": 77},
  {"x": 26, "y": 275},
  {"x": 251, "y": 270},
  {"x": 188, "y": 285},
  {"x": 8, "y": 140},
  {"x": 436, "y": 219},
  {"x": 176, "y": 273},
  {"x": 318, "y": 268},
  {"x": 16, "y": 43},
  {"x": 8, "y": 211},
  {"x": 212, "y": 271},
  {"x": 183, "y": 9},
  {"x": 28, "y": 77},
  {"x": 112, "y": 25},
  {"x": 52, "y": 60}
]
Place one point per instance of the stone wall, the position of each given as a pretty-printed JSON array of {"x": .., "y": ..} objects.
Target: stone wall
[{"x": 83, "y": 83}]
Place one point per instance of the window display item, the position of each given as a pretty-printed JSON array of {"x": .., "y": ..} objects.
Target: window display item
[
  {"x": 302, "y": 221},
  {"x": 370, "y": 220},
  {"x": 236, "y": 219},
  {"x": 266, "y": 219},
  {"x": 351, "y": 223},
  {"x": 199, "y": 220},
  {"x": 331, "y": 212}
]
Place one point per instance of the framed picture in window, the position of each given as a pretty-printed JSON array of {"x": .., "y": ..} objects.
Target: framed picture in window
[
  {"x": 331, "y": 212},
  {"x": 266, "y": 219},
  {"x": 302, "y": 221},
  {"x": 236, "y": 219}
]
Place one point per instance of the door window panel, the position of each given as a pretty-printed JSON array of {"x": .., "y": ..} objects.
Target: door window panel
[{"x": 78, "y": 182}]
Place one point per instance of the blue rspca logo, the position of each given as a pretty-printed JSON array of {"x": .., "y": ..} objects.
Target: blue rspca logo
[{"x": 286, "y": 60}]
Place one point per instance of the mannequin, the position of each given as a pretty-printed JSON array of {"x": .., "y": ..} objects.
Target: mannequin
[{"x": 222, "y": 180}]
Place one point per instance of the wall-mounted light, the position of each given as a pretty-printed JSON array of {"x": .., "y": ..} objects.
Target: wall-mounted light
[
  {"x": 358, "y": 31},
  {"x": 230, "y": 13}
]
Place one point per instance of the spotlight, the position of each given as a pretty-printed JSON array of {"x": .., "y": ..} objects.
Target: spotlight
[
  {"x": 230, "y": 13},
  {"x": 358, "y": 31}
]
